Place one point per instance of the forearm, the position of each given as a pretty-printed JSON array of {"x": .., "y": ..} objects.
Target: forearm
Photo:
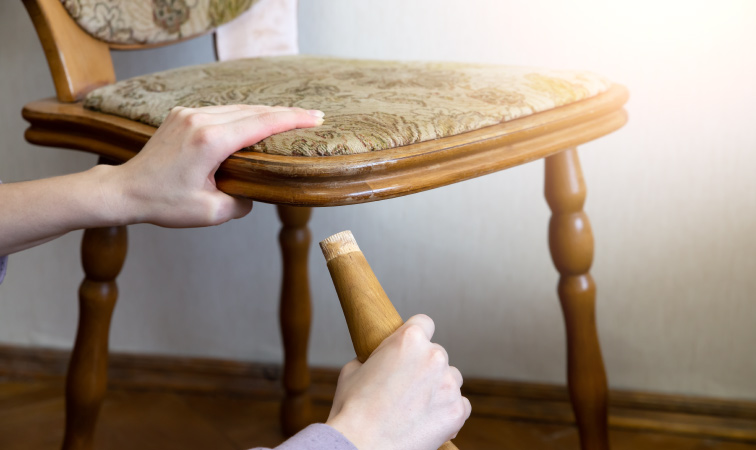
[
  {"x": 34, "y": 212},
  {"x": 169, "y": 183}
]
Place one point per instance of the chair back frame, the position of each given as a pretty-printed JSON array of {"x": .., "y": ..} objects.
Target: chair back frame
[{"x": 79, "y": 62}]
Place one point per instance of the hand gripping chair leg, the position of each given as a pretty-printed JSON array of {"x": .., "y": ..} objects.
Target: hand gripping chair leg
[{"x": 369, "y": 314}]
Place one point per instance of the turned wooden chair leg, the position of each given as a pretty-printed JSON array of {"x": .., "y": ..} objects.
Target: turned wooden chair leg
[
  {"x": 103, "y": 251},
  {"x": 295, "y": 316},
  {"x": 571, "y": 244}
]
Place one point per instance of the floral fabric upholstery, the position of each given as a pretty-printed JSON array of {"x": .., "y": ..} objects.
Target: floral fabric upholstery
[
  {"x": 369, "y": 105},
  {"x": 152, "y": 21}
]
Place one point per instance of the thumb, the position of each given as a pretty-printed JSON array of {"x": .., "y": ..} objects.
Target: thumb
[{"x": 229, "y": 208}]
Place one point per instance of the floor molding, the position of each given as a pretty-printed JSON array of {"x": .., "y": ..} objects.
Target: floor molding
[{"x": 707, "y": 417}]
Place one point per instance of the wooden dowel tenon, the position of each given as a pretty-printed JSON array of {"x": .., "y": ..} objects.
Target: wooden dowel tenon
[{"x": 369, "y": 314}]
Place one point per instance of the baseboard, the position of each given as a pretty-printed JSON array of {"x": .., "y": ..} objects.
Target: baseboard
[{"x": 706, "y": 417}]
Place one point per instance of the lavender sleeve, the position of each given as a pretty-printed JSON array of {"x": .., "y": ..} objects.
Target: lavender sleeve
[
  {"x": 318, "y": 436},
  {"x": 3, "y": 264}
]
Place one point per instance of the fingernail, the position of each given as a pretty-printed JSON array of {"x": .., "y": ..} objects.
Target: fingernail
[{"x": 316, "y": 113}]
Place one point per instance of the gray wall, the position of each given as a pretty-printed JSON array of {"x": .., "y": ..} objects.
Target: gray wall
[{"x": 672, "y": 199}]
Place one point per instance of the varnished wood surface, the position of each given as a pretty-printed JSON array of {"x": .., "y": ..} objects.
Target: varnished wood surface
[
  {"x": 78, "y": 62},
  {"x": 295, "y": 315},
  {"x": 708, "y": 418},
  {"x": 31, "y": 418},
  {"x": 103, "y": 251},
  {"x": 571, "y": 245},
  {"x": 369, "y": 314},
  {"x": 349, "y": 179}
]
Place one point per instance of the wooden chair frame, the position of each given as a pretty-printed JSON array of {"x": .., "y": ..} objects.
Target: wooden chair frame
[{"x": 79, "y": 63}]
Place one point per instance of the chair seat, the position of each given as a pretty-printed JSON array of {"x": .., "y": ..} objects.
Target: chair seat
[
  {"x": 370, "y": 105},
  {"x": 348, "y": 179}
]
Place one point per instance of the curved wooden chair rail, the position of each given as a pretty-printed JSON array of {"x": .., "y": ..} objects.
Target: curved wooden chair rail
[
  {"x": 349, "y": 179},
  {"x": 78, "y": 61},
  {"x": 369, "y": 314}
]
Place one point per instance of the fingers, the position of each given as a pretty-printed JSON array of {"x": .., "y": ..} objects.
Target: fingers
[
  {"x": 239, "y": 208},
  {"x": 225, "y": 129},
  {"x": 422, "y": 321},
  {"x": 225, "y": 208},
  {"x": 464, "y": 410},
  {"x": 232, "y": 113},
  {"x": 457, "y": 375},
  {"x": 250, "y": 130},
  {"x": 220, "y": 135},
  {"x": 468, "y": 407},
  {"x": 219, "y": 109},
  {"x": 442, "y": 351},
  {"x": 222, "y": 114},
  {"x": 349, "y": 368}
]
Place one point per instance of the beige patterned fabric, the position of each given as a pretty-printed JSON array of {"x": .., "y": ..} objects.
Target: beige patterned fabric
[
  {"x": 152, "y": 21},
  {"x": 369, "y": 105}
]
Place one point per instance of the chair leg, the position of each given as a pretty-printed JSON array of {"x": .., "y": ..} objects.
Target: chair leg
[
  {"x": 103, "y": 252},
  {"x": 571, "y": 244},
  {"x": 295, "y": 316}
]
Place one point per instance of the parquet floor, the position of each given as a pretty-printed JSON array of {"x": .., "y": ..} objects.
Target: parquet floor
[{"x": 31, "y": 418}]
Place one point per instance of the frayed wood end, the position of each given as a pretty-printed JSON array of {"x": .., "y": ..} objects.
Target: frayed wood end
[{"x": 338, "y": 244}]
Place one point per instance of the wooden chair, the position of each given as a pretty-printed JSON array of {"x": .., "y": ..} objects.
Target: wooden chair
[{"x": 80, "y": 63}]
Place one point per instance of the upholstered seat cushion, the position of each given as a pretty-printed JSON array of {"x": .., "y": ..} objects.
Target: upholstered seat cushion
[{"x": 369, "y": 105}]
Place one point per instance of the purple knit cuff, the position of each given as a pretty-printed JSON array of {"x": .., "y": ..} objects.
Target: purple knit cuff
[
  {"x": 318, "y": 436},
  {"x": 3, "y": 263}
]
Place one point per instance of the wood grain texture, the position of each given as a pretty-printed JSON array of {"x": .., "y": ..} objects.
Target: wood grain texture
[
  {"x": 571, "y": 245},
  {"x": 295, "y": 316},
  {"x": 139, "y": 419},
  {"x": 349, "y": 179},
  {"x": 636, "y": 412},
  {"x": 103, "y": 253},
  {"x": 78, "y": 62},
  {"x": 369, "y": 314}
]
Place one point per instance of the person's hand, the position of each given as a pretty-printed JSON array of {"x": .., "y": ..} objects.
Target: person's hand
[
  {"x": 404, "y": 397},
  {"x": 171, "y": 181}
]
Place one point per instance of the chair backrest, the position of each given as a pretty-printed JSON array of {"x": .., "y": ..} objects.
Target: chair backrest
[
  {"x": 127, "y": 24},
  {"x": 77, "y": 35}
]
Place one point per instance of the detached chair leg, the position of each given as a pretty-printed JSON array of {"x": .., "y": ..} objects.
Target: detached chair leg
[
  {"x": 571, "y": 244},
  {"x": 103, "y": 252},
  {"x": 295, "y": 316}
]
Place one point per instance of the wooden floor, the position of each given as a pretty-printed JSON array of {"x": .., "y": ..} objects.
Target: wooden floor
[{"x": 31, "y": 418}]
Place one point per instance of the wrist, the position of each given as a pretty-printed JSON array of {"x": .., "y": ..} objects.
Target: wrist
[
  {"x": 109, "y": 189},
  {"x": 357, "y": 434}
]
